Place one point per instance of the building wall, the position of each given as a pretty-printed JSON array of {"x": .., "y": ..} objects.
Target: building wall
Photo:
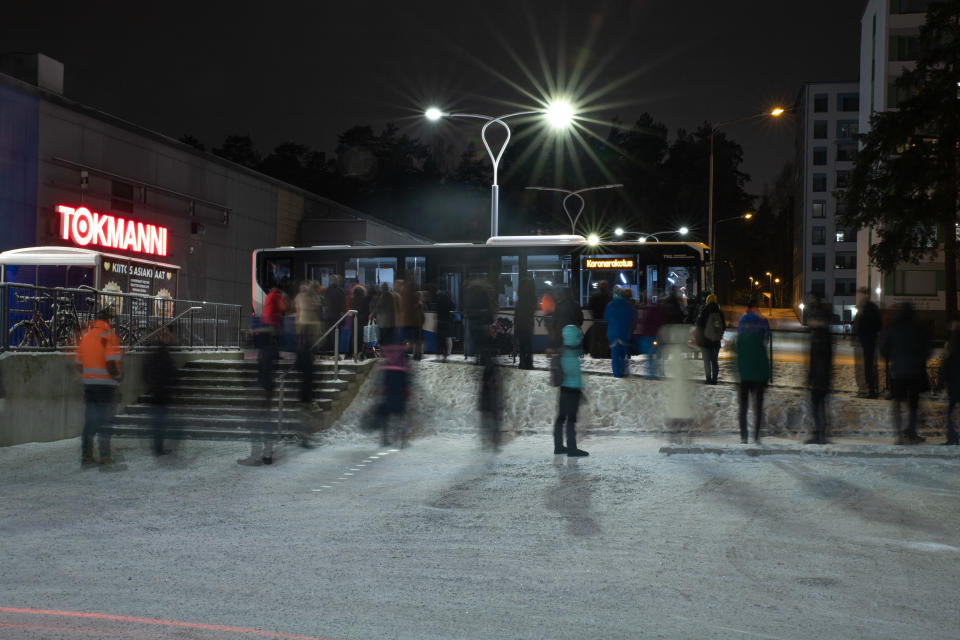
[
  {"x": 828, "y": 114},
  {"x": 54, "y": 151},
  {"x": 18, "y": 168}
]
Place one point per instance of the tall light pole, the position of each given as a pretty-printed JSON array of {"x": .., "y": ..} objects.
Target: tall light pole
[
  {"x": 773, "y": 113},
  {"x": 713, "y": 247},
  {"x": 576, "y": 194},
  {"x": 559, "y": 114}
]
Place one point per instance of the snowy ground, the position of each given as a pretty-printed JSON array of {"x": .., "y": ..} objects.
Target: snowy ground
[{"x": 441, "y": 540}]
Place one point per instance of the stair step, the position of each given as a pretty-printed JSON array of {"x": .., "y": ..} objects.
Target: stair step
[
  {"x": 236, "y": 423},
  {"x": 254, "y": 401},
  {"x": 217, "y": 410},
  {"x": 254, "y": 392},
  {"x": 234, "y": 380},
  {"x": 135, "y": 431}
]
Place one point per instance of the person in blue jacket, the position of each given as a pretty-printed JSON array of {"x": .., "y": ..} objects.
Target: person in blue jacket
[
  {"x": 620, "y": 317},
  {"x": 570, "y": 388}
]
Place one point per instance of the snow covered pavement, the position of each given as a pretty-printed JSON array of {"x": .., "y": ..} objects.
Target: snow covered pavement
[{"x": 442, "y": 540}]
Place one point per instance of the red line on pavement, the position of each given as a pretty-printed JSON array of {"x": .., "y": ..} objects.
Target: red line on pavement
[{"x": 162, "y": 623}]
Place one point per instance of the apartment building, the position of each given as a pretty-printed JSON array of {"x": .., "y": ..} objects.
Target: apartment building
[
  {"x": 889, "y": 39},
  {"x": 825, "y": 256}
]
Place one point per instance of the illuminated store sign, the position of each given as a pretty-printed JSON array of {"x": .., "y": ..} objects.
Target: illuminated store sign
[
  {"x": 85, "y": 227},
  {"x": 618, "y": 263}
]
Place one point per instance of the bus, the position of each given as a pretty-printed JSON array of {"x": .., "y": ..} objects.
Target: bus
[{"x": 649, "y": 269}]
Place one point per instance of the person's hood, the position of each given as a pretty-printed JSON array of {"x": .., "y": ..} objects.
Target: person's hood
[{"x": 572, "y": 336}]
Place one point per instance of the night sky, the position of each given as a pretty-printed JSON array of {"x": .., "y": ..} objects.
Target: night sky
[{"x": 306, "y": 71}]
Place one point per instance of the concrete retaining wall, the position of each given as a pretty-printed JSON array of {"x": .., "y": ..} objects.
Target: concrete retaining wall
[
  {"x": 44, "y": 394},
  {"x": 444, "y": 399}
]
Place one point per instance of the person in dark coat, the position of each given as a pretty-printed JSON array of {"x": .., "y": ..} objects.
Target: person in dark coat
[
  {"x": 384, "y": 308},
  {"x": 524, "y": 319},
  {"x": 820, "y": 369},
  {"x": 753, "y": 366},
  {"x": 866, "y": 326},
  {"x": 596, "y": 336},
  {"x": 904, "y": 343},
  {"x": 479, "y": 314},
  {"x": 567, "y": 312},
  {"x": 160, "y": 373},
  {"x": 443, "y": 307},
  {"x": 707, "y": 323},
  {"x": 620, "y": 318},
  {"x": 672, "y": 309},
  {"x": 950, "y": 375}
]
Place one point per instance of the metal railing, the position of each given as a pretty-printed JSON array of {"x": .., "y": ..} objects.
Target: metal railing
[
  {"x": 336, "y": 340},
  {"x": 36, "y": 318}
]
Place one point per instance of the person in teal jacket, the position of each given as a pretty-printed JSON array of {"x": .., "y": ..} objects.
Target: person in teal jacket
[
  {"x": 570, "y": 388},
  {"x": 753, "y": 332}
]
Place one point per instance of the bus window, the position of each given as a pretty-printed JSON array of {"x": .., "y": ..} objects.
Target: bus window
[
  {"x": 276, "y": 272},
  {"x": 320, "y": 273},
  {"x": 370, "y": 272},
  {"x": 652, "y": 286},
  {"x": 508, "y": 282},
  {"x": 548, "y": 272},
  {"x": 415, "y": 266},
  {"x": 682, "y": 279},
  {"x": 618, "y": 271},
  {"x": 450, "y": 282}
]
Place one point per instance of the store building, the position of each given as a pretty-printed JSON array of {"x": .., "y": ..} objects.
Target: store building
[
  {"x": 71, "y": 175},
  {"x": 825, "y": 262}
]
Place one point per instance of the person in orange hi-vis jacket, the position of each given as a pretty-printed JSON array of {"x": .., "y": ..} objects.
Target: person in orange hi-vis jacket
[{"x": 98, "y": 358}]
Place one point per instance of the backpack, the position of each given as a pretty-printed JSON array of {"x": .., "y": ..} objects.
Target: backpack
[
  {"x": 713, "y": 330},
  {"x": 556, "y": 369}
]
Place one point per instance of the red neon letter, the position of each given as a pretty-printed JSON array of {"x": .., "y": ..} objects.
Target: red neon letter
[{"x": 65, "y": 213}]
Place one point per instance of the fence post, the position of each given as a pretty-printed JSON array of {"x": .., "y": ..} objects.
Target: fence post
[
  {"x": 336, "y": 352},
  {"x": 4, "y": 318},
  {"x": 356, "y": 330},
  {"x": 216, "y": 326},
  {"x": 191, "y": 328}
]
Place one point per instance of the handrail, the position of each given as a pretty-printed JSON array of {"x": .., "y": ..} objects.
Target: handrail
[
  {"x": 350, "y": 312},
  {"x": 164, "y": 326}
]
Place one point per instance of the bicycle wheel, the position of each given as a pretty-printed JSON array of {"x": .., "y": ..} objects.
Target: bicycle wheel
[
  {"x": 68, "y": 334},
  {"x": 31, "y": 336}
]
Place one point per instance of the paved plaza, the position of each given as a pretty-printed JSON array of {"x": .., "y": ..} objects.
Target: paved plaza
[{"x": 441, "y": 540}]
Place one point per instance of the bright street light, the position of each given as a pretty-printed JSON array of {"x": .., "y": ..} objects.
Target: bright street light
[
  {"x": 776, "y": 112},
  {"x": 683, "y": 231},
  {"x": 618, "y": 231},
  {"x": 643, "y": 236},
  {"x": 593, "y": 239},
  {"x": 576, "y": 194},
  {"x": 559, "y": 114}
]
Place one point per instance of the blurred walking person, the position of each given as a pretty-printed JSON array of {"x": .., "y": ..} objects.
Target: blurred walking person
[
  {"x": 271, "y": 333},
  {"x": 950, "y": 376},
  {"x": 620, "y": 317},
  {"x": 160, "y": 373},
  {"x": 334, "y": 306},
  {"x": 411, "y": 317},
  {"x": 384, "y": 308},
  {"x": 820, "y": 368},
  {"x": 571, "y": 386},
  {"x": 98, "y": 358},
  {"x": 596, "y": 337},
  {"x": 867, "y": 324},
  {"x": 443, "y": 306},
  {"x": 710, "y": 325},
  {"x": 753, "y": 366},
  {"x": 524, "y": 321},
  {"x": 491, "y": 394},
  {"x": 395, "y": 389},
  {"x": 904, "y": 343},
  {"x": 307, "y": 306}
]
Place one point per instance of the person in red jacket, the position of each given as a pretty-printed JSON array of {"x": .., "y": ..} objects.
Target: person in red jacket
[{"x": 98, "y": 358}]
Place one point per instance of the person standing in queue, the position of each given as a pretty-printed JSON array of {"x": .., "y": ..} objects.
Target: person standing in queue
[
  {"x": 596, "y": 336},
  {"x": 620, "y": 317},
  {"x": 571, "y": 387},
  {"x": 866, "y": 325},
  {"x": 524, "y": 318},
  {"x": 904, "y": 343},
  {"x": 711, "y": 325},
  {"x": 753, "y": 332},
  {"x": 820, "y": 369},
  {"x": 98, "y": 358},
  {"x": 950, "y": 376}
]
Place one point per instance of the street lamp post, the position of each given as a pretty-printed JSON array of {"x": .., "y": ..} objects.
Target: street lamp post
[
  {"x": 559, "y": 114},
  {"x": 576, "y": 194},
  {"x": 774, "y": 113},
  {"x": 770, "y": 276},
  {"x": 713, "y": 247}
]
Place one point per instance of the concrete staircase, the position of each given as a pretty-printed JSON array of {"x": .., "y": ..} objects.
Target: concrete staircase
[{"x": 221, "y": 400}]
